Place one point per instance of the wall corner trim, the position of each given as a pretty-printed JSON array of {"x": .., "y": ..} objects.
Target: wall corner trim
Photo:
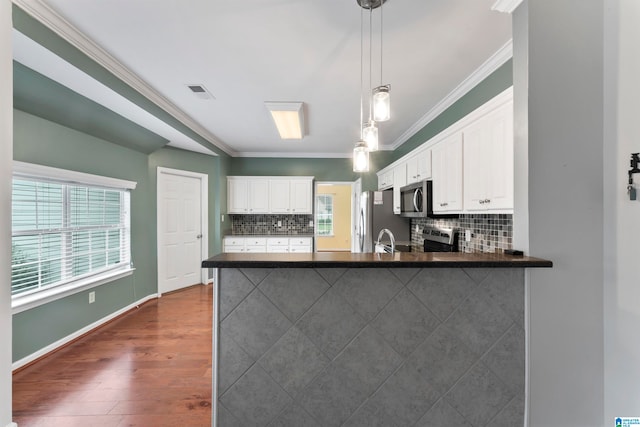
[{"x": 55, "y": 345}]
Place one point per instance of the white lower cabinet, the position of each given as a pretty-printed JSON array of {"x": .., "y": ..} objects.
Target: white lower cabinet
[
  {"x": 301, "y": 244},
  {"x": 277, "y": 245},
  {"x": 254, "y": 244},
  {"x": 235, "y": 244}
]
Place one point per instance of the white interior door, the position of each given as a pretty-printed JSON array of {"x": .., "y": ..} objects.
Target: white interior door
[{"x": 181, "y": 234}]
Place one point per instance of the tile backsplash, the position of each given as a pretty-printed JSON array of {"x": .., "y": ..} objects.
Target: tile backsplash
[
  {"x": 268, "y": 224},
  {"x": 489, "y": 232}
]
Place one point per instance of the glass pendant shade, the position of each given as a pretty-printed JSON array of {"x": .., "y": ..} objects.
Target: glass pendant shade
[
  {"x": 361, "y": 157},
  {"x": 381, "y": 104},
  {"x": 370, "y": 136}
]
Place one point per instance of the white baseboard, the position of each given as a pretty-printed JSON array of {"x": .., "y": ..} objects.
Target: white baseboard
[
  {"x": 12, "y": 425},
  {"x": 53, "y": 346}
]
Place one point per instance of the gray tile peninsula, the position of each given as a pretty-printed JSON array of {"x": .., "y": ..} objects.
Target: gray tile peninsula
[{"x": 340, "y": 339}]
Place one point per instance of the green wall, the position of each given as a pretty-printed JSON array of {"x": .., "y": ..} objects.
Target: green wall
[
  {"x": 323, "y": 169},
  {"x": 43, "y": 142}
]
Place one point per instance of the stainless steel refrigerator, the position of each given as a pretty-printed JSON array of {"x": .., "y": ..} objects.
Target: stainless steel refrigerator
[{"x": 376, "y": 213}]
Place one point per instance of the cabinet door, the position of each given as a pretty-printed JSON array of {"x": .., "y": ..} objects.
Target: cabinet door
[
  {"x": 399, "y": 181},
  {"x": 233, "y": 244},
  {"x": 488, "y": 161},
  {"x": 301, "y": 245},
  {"x": 385, "y": 180},
  {"x": 423, "y": 161},
  {"x": 255, "y": 244},
  {"x": 277, "y": 245},
  {"x": 237, "y": 196},
  {"x": 447, "y": 174},
  {"x": 301, "y": 196},
  {"x": 279, "y": 196},
  {"x": 258, "y": 196},
  {"x": 412, "y": 170}
]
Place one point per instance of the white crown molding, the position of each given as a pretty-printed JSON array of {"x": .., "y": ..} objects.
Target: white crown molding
[
  {"x": 56, "y": 23},
  {"x": 489, "y": 66},
  {"x": 507, "y": 6}
]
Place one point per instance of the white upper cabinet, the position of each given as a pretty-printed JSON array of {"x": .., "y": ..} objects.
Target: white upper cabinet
[
  {"x": 279, "y": 194},
  {"x": 399, "y": 181},
  {"x": 301, "y": 197},
  {"x": 247, "y": 196},
  {"x": 447, "y": 174},
  {"x": 291, "y": 196},
  {"x": 385, "y": 179},
  {"x": 419, "y": 167},
  {"x": 488, "y": 161},
  {"x": 263, "y": 195}
]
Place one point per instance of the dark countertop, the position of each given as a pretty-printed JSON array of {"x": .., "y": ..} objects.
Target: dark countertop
[
  {"x": 370, "y": 260},
  {"x": 269, "y": 235}
]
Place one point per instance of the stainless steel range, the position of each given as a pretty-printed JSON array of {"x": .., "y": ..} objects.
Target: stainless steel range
[{"x": 440, "y": 239}]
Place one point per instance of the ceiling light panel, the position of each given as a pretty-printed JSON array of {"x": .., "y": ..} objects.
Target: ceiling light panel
[{"x": 288, "y": 117}]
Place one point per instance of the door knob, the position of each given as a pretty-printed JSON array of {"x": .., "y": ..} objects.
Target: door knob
[{"x": 199, "y": 236}]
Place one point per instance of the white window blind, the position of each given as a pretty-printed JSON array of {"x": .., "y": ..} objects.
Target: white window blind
[
  {"x": 64, "y": 231},
  {"x": 324, "y": 215}
]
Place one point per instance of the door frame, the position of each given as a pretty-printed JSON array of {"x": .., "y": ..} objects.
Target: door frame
[
  {"x": 204, "y": 215},
  {"x": 352, "y": 184}
]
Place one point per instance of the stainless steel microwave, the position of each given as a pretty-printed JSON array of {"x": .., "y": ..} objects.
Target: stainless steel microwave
[{"x": 415, "y": 199}]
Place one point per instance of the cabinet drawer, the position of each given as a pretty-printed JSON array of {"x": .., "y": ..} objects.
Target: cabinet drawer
[
  {"x": 255, "y": 241},
  {"x": 300, "y": 241},
  {"x": 233, "y": 241},
  {"x": 256, "y": 249},
  {"x": 300, "y": 249},
  {"x": 277, "y": 241},
  {"x": 233, "y": 248}
]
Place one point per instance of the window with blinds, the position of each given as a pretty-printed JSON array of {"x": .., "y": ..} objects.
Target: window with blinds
[
  {"x": 64, "y": 232},
  {"x": 324, "y": 215}
]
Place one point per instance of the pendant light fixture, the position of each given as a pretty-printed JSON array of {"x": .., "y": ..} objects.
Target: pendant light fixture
[
  {"x": 361, "y": 157},
  {"x": 368, "y": 131},
  {"x": 380, "y": 95}
]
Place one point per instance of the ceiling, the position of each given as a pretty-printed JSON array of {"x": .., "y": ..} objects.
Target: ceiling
[{"x": 248, "y": 52}]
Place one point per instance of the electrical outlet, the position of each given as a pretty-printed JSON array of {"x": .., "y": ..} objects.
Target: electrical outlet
[
  {"x": 92, "y": 297},
  {"x": 222, "y": 219},
  {"x": 417, "y": 228},
  {"x": 467, "y": 235},
  {"x": 279, "y": 223},
  {"x": 310, "y": 223}
]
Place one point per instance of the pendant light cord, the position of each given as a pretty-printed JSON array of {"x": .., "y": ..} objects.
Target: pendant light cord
[
  {"x": 381, "y": 5},
  {"x": 361, "y": 71},
  {"x": 370, "y": 61}
]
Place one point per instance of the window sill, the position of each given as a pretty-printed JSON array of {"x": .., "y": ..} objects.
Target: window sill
[{"x": 27, "y": 302}]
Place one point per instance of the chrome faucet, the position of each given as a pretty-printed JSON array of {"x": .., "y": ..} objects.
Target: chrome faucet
[{"x": 393, "y": 240}]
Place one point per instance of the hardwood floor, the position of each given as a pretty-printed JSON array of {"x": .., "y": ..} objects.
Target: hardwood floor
[{"x": 151, "y": 367}]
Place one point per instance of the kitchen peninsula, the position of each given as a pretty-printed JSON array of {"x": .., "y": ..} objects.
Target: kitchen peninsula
[{"x": 404, "y": 339}]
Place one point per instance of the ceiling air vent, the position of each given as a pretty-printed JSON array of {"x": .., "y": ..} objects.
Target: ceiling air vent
[{"x": 200, "y": 91}]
